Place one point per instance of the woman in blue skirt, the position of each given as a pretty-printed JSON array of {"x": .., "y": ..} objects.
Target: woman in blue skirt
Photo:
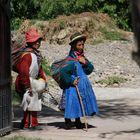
[{"x": 75, "y": 74}]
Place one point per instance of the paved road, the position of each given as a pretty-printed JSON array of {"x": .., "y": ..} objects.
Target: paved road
[{"x": 119, "y": 119}]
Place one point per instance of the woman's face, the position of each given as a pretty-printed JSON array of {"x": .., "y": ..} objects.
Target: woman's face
[
  {"x": 36, "y": 44},
  {"x": 80, "y": 46}
]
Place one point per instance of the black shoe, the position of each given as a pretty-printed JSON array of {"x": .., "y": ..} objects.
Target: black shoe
[
  {"x": 79, "y": 124},
  {"x": 68, "y": 124},
  {"x": 36, "y": 128}
]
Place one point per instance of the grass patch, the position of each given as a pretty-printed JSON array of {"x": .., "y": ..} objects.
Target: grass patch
[
  {"x": 20, "y": 138},
  {"x": 96, "y": 41},
  {"x": 111, "y": 35},
  {"x": 111, "y": 80},
  {"x": 62, "y": 25}
]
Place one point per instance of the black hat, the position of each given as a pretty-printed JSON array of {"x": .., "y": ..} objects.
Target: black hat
[{"x": 77, "y": 36}]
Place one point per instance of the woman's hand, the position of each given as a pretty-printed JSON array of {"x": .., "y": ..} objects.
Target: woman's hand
[
  {"x": 82, "y": 59},
  {"x": 76, "y": 81},
  {"x": 30, "y": 91}
]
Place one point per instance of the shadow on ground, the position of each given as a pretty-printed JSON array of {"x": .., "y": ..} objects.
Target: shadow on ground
[
  {"x": 111, "y": 109},
  {"x": 114, "y": 109},
  {"x": 111, "y": 135},
  {"x": 61, "y": 125},
  {"x": 117, "y": 108},
  {"x": 46, "y": 112}
]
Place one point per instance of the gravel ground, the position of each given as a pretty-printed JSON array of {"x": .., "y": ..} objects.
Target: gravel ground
[{"x": 109, "y": 58}]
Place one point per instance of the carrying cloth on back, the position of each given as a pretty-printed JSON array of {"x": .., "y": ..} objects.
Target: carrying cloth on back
[
  {"x": 18, "y": 47},
  {"x": 56, "y": 69}
]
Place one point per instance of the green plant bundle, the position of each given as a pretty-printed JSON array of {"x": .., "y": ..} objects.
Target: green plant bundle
[{"x": 45, "y": 66}]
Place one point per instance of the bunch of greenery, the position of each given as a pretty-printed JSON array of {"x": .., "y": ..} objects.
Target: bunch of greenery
[
  {"x": 48, "y": 9},
  {"x": 45, "y": 66}
]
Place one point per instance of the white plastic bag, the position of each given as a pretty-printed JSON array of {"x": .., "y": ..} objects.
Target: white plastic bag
[
  {"x": 31, "y": 103},
  {"x": 37, "y": 85},
  {"x": 35, "y": 103}
]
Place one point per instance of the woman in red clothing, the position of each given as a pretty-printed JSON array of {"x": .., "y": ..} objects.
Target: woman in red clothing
[{"x": 29, "y": 66}]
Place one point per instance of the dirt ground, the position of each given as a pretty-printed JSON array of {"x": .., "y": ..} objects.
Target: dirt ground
[{"x": 118, "y": 120}]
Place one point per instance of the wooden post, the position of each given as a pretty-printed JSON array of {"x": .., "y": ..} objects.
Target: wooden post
[{"x": 82, "y": 106}]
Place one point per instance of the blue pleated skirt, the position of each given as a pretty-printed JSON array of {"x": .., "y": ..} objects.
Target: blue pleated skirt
[{"x": 73, "y": 107}]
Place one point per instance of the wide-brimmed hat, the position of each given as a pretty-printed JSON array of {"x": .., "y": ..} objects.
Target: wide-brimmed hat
[
  {"x": 77, "y": 36},
  {"x": 32, "y": 35}
]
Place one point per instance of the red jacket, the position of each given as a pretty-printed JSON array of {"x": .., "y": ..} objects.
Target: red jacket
[{"x": 23, "y": 69}]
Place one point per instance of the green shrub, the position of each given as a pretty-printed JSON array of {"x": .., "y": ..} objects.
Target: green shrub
[
  {"x": 15, "y": 23},
  {"x": 62, "y": 25},
  {"x": 119, "y": 10},
  {"x": 15, "y": 96},
  {"x": 111, "y": 35},
  {"x": 111, "y": 80},
  {"x": 97, "y": 41}
]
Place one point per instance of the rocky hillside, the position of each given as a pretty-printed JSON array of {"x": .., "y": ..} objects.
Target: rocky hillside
[
  {"x": 97, "y": 27},
  {"x": 109, "y": 59}
]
